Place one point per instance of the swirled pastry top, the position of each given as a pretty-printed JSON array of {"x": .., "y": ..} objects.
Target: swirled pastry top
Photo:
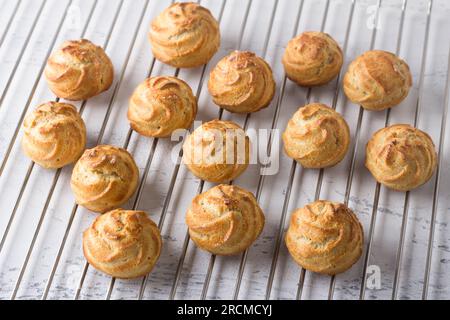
[
  {"x": 217, "y": 151},
  {"x": 54, "y": 135},
  {"x": 377, "y": 80},
  {"x": 312, "y": 58},
  {"x": 104, "y": 178},
  {"x": 79, "y": 70},
  {"x": 184, "y": 35},
  {"x": 325, "y": 237},
  {"x": 160, "y": 105},
  {"x": 122, "y": 243},
  {"x": 401, "y": 157},
  {"x": 242, "y": 82},
  {"x": 224, "y": 220},
  {"x": 316, "y": 136}
]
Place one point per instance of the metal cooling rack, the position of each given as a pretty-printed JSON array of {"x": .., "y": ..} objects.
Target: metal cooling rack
[{"x": 407, "y": 247}]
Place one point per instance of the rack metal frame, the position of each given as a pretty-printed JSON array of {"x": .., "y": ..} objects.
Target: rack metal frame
[{"x": 278, "y": 104}]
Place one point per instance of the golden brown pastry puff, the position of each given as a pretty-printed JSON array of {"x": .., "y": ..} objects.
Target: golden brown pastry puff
[
  {"x": 325, "y": 237},
  {"x": 122, "y": 243},
  {"x": 316, "y": 136},
  {"x": 401, "y": 157},
  {"x": 377, "y": 80},
  {"x": 242, "y": 82},
  {"x": 312, "y": 59},
  {"x": 160, "y": 105},
  {"x": 185, "y": 35},
  {"x": 54, "y": 135},
  {"x": 79, "y": 70},
  {"x": 224, "y": 220},
  {"x": 217, "y": 151},
  {"x": 104, "y": 178}
]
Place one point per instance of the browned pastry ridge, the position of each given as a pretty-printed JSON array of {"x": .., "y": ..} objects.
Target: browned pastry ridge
[
  {"x": 104, "y": 178},
  {"x": 184, "y": 35},
  {"x": 161, "y": 105},
  {"x": 224, "y": 220},
  {"x": 122, "y": 243},
  {"x": 54, "y": 135},
  {"x": 312, "y": 59},
  {"x": 325, "y": 237},
  {"x": 242, "y": 82},
  {"x": 79, "y": 70},
  {"x": 401, "y": 157},
  {"x": 377, "y": 80},
  {"x": 217, "y": 151},
  {"x": 316, "y": 136}
]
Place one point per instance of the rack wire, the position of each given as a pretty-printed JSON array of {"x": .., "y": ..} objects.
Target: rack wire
[{"x": 174, "y": 176}]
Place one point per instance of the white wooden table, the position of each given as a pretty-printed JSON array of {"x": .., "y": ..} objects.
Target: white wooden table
[{"x": 36, "y": 204}]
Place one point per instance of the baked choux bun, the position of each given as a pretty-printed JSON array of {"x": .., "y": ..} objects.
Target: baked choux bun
[
  {"x": 224, "y": 220},
  {"x": 217, "y": 151},
  {"x": 325, "y": 237},
  {"x": 104, "y": 178},
  {"x": 377, "y": 80},
  {"x": 185, "y": 35},
  {"x": 316, "y": 136},
  {"x": 79, "y": 70},
  {"x": 54, "y": 135},
  {"x": 160, "y": 105},
  {"x": 312, "y": 59},
  {"x": 122, "y": 243},
  {"x": 242, "y": 82},
  {"x": 401, "y": 157}
]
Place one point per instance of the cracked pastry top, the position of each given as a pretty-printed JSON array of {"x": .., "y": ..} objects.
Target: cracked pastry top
[
  {"x": 242, "y": 82},
  {"x": 161, "y": 105},
  {"x": 122, "y": 243},
  {"x": 312, "y": 58},
  {"x": 104, "y": 178},
  {"x": 224, "y": 220},
  {"x": 79, "y": 70},
  {"x": 185, "y": 35},
  {"x": 325, "y": 237},
  {"x": 316, "y": 136},
  {"x": 54, "y": 135},
  {"x": 217, "y": 151},
  {"x": 377, "y": 80},
  {"x": 401, "y": 157}
]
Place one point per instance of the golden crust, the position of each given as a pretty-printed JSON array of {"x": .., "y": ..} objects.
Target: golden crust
[
  {"x": 377, "y": 80},
  {"x": 217, "y": 151},
  {"x": 224, "y": 220},
  {"x": 54, "y": 135},
  {"x": 160, "y": 105},
  {"x": 312, "y": 59},
  {"x": 104, "y": 178},
  {"x": 242, "y": 82},
  {"x": 122, "y": 243},
  {"x": 79, "y": 70},
  {"x": 316, "y": 136},
  {"x": 184, "y": 35},
  {"x": 325, "y": 237},
  {"x": 401, "y": 157}
]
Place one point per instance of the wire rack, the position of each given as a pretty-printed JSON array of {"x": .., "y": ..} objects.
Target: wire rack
[{"x": 407, "y": 244}]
